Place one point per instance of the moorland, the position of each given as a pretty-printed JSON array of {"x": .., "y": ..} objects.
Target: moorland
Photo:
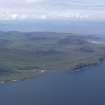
[{"x": 25, "y": 55}]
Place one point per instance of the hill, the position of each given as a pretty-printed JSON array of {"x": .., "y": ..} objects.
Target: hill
[{"x": 27, "y": 54}]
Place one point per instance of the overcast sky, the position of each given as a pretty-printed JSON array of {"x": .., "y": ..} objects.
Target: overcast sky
[{"x": 52, "y": 9}]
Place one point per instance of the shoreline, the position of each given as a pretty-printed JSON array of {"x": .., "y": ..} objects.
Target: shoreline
[
  {"x": 28, "y": 78},
  {"x": 100, "y": 61},
  {"x": 75, "y": 69}
]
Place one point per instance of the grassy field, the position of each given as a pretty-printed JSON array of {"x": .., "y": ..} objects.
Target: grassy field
[{"x": 25, "y": 54}]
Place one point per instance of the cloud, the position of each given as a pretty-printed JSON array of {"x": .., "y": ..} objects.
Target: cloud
[
  {"x": 33, "y": 1},
  {"x": 52, "y": 9}
]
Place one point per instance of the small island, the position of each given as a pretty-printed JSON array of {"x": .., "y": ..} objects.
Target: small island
[{"x": 24, "y": 55}]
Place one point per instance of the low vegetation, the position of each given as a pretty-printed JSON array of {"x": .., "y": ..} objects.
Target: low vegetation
[{"x": 28, "y": 54}]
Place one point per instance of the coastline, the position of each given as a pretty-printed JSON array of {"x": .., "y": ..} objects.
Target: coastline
[
  {"x": 41, "y": 72},
  {"x": 80, "y": 66},
  {"x": 76, "y": 68}
]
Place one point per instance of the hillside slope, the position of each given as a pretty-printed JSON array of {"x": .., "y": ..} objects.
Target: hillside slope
[{"x": 27, "y": 54}]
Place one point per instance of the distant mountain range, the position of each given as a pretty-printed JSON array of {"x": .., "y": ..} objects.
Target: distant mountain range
[{"x": 87, "y": 27}]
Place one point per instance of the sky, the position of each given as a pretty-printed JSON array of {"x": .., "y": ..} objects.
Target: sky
[
  {"x": 74, "y": 16},
  {"x": 92, "y": 10}
]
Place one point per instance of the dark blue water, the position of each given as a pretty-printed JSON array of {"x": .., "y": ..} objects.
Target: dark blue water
[{"x": 86, "y": 87}]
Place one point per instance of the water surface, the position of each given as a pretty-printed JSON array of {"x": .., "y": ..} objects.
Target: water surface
[{"x": 86, "y": 87}]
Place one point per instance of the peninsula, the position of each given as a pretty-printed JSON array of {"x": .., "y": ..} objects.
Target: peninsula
[{"x": 25, "y": 55}]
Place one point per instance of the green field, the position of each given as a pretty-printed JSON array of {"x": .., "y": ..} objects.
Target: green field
[{"x": 27, "y": 54}]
